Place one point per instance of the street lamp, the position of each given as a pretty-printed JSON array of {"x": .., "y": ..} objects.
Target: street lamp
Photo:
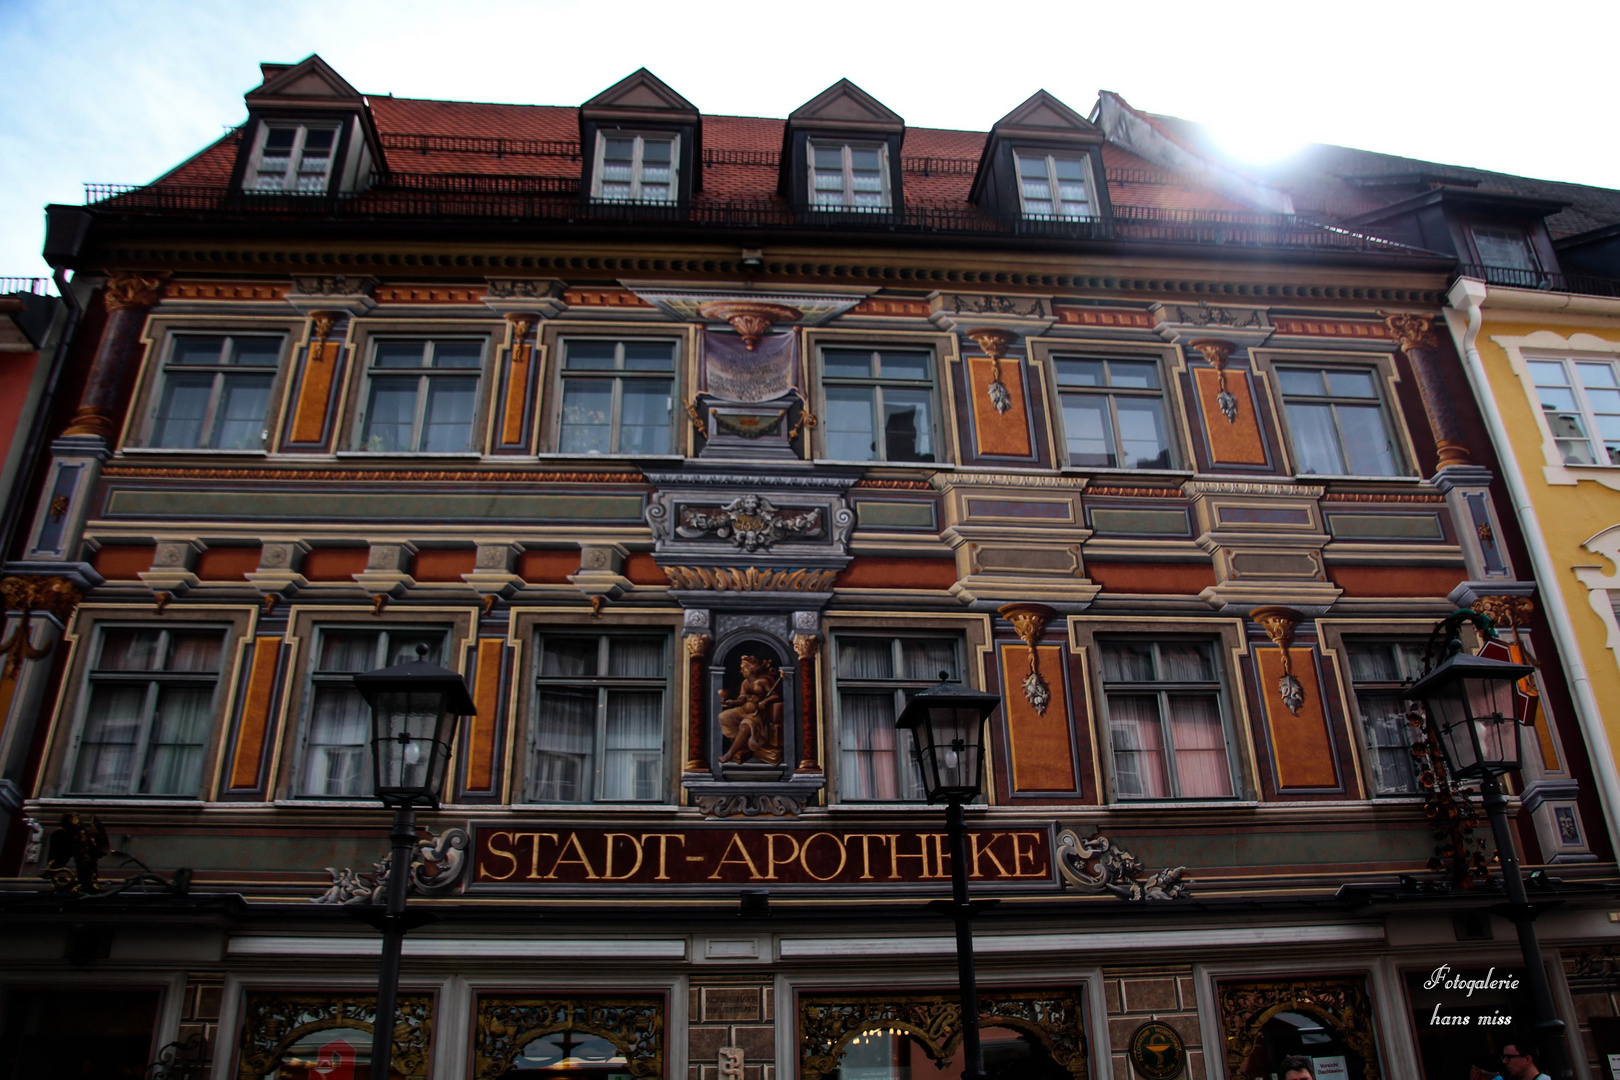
[
  {"x": 947, "y": 724},
  {"x": 414, "y": 709},
  {"x": 1470, "y": 708}
]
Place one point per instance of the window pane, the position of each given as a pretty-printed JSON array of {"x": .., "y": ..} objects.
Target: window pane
[
  {"x": 239, "y": 421},
  {"x": 391, "y": 415},
  {"x": 402, "y": 648},
  {"x": 865, "y": 158},
  {"x": 1134, "y": 374},
  {"x": 1548, "y": 373},
  {"x": 865, "y": 658},
  {"x": 867, "y": 747},
  {"x": 924, "y": 660},
  {"x": 1374, "y": 663},
  {"x": 587, "y": 413},
  {"x": 829, "y": 157},
  {"x": 645, "y": 410},
  {"x": 181, "y": 413},
  {"x": 1200, "y": 746},
  {"x": 197, "y": 350},
  {"x": 1316, "y": 442},
  {"x": 640, "y": 658},
  {"x": 319, "y": 139},
  {"x": 1556, "y": 397},
  {"x": 564, "y": 744},
  {"x": 112, "y": 727},
  {"x": 193, "y": 651},
  {"x": 399, "y": 353},
  {"x": 257, "y": 352},
  {"x": 908, "y": 433},
  {"x": 174, "y": 752},
  {"x": 1127, "y": 661},
  {"x": 1351, "y": 384},
  {"x": 1144, "y": 442},
  {"x": 129, "y": 650},
  {"x": 1137, "y": 740},
  {"x": 1505, "y": 246},
  {"x": 447, "y": 427},
  {"x": 649, "y": 356},
  {"x": 1300, "y": 382},
  {"x": 1086, "y": 428},
  {"x": 903, "y": 365},
  {"x": 568, "y": 658},
  {"x": 1366, "y": 438},
  {"x": 655, "y": 152},
  {"x": 280, "y": 140},
  {"x": 632, "y": 759},
  {"x": 1389, "y": 739},
  {"x": 1187, "y": 661},
  {"x": 337, "y": 760},
  {"x": 590, "y": 355},
  {"x": 1593, "y": 375},
  {"x": 1080, "y": 372},
  {"x": 458, "y": 354},
  {"x": 849, "y": 424},
  {"x": 840, "y": 362}
]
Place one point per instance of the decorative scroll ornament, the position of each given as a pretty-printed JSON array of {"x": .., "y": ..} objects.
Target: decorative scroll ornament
[
  {"x": 1514, "y": 612},
  {"x": 1098, "y": 864},
  {"x": 750, "y": 522},
  {"x": 506, "y": 1025},
  {"x": 273, "y": 1022},
  {"x": 51, "y": 595},
  {"x": 436, "y": 865},
  {"x": 1216, "y": 351},
  {"x": 829, "y": 1023},
  {"x": 1029, "y": 620},
  {"x": 1279, "y": 623},
  {"x": 751, "y": 320},
  {"x": 994, "y": 342},
  {"x": 133, "y": 290},
  {"x": 749, "y": 579},
  {"x": 1410, "y": 330},
  {"x": 750, "y": 804}
]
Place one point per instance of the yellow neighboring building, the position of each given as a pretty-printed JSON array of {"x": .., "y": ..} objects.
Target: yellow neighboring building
[{"x": 1545, "y": 366}]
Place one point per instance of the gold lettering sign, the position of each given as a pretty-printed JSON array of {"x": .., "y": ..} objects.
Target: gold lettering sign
[{"x": 520, "y": 856}]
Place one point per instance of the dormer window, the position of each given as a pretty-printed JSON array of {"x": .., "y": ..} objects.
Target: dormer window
[
  {"x": 1053, "y": 185},
  {"x": 849, "y": 176},
  {"x": 1505, "y": 254},
  {"x": 293, "y": 157},
  {"x": 636, "y": 168}
]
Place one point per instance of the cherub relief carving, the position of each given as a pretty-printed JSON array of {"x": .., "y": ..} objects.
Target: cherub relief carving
[{"x": 752, "y": 717}]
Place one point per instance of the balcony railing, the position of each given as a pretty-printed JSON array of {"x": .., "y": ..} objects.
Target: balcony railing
[
  {"x": 35, "y": 285},
  {"x": 1518, "y": 278},
  {"x": 556, "y": 200}
]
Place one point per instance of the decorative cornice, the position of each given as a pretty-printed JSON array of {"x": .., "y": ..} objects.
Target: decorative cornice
[
  {"x": 1132, "y": 320},
  {"x": 1411, "y": 331},
  {"x": 592, "y": 297},
  {"x": 226, "y": 290},
  {"x": 945, "y": 481},
  {"x": 749, "y": 579},
  {"x": 133, "y": 290},
  {"x": 1388, "y": 497},
  {"x": 429, "y": 294},
  {"x": 752, "y": 481},
  {"x": 893, "y": 485},
  {"x": 1292, "y": 325},
  {"x": 879, "y": 305},
  {"x": 146, "y": 472},
  {"x": 1135, "y": 492},
  {"x": 1251, "y": 487}
]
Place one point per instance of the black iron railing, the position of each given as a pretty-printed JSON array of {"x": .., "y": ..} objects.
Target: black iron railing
[
  {"x": 1519, "y": 278},
  {"x": 35, "y": 285},
  {"x": 556, "y": 199}
]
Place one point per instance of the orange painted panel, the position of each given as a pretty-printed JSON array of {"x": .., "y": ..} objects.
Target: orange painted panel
[
  {"x": 887, "y": 572},
  {"x": 442, "y": 564},
  {"x": 1042, "y": 747},
  {"x": 1425, "y": 581},
  {"x": 641, "y": 569},
  {"x": 1301, "y": 747},
  {"x": 227, "y": 563},
  {"x": 121, "y": 562},
  {"x": 1231, "y": 442},
  {"x": 998, "y": 432},
  {"x": 315, "y": 392},
  {"x": 334, "y": 564},
  {"x": 481, "y": 748},
  {"x": 552, "y": 566},
  {"x": 517, "y": 394},
  {"x": 255, "y": 726}
]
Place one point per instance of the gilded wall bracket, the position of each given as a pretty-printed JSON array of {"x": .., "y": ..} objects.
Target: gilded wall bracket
[
  {"x": 1029, "y": 620},
  {"x": 1216, "y": 351},
  {"x": 1279, "y": 623},
  {"x": 994, "y": 341}
]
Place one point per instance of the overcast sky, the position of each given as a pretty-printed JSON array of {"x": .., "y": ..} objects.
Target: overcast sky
[{"x": 118, "y": 91}]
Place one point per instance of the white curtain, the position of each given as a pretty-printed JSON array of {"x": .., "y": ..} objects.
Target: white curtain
[
  {"x": 632, "y": 760},
  {"x": 1200, "y": 744},
  {"x": 564, "y": 745},
  {"x": 174, "y": 752},
  {"x": 1137, "y": 738},
  {"x": 868, "y": 765}
]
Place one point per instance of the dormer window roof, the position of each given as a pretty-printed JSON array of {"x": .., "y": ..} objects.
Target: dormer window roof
[
  {"x": 308, "y": 133},
  {"x": 1042, "y": 162},
  {"x": 841, "y": 151},
  {"x": 642, "y": 142}
]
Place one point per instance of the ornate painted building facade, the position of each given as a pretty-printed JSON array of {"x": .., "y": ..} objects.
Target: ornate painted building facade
[{"x": 696, "y": 443}]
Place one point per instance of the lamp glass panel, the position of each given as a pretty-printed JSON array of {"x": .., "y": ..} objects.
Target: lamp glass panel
[
  {"x": 950, "y": 748},
  {"x": 1498, "y": 741},
  {"x": 408, "y": 726}
]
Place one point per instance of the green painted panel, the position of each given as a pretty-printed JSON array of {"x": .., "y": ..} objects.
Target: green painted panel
[
  {"x": 1386, "y": 526},
  {"x": 900, "y": 515},
  {"x": 344, "y": 506},
  {"x": 1140, "y": 522}
]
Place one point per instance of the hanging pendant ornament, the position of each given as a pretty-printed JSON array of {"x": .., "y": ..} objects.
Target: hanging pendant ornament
[
  {"x": 1278, "y": 623},
  {"x": 1029, "y": 621},
  {"x": 994, "y": 342},
  {"x": 1216, "y": 351}
]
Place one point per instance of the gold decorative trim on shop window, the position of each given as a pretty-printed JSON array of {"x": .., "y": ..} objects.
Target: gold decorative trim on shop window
[
  {"x": 1341, "y": 1004},
  {"x": 505, "y": 1025},
  {"x": 273, "y": 1023}
]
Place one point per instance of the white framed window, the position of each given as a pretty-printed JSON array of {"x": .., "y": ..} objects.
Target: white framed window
[
  {"x": 618, "y": 396},
  {"x": 1166, "y": 715},
  {"x": 293, "y": 158},
  {"x": 421, "y": 395},
  {"x": 1053, "y": 185},
  {"x": 636, "y": 168},
  {"x": 149, "y": 711},
  {"x": 597, "y": 731},
  {"x": 214, "y": 392},
  {"x": 1337, "y": 421},
  {"x": 1581, "y": 400},
  {"x": 849, "y": 176},
  {"x": 874, "y": 676},
  {"x": 1114, "y": 414},
  {"x": 878, "y": 404},
  {"x": 336, "y": 753},
  {"x": 1380, "y": 672}
]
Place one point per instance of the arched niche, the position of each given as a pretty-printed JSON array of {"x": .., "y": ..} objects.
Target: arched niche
[{"x": 753, "y": 706}]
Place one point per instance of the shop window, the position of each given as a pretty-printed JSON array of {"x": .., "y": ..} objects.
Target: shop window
[
  {"x": 1496, "y": 1014},
  {"x": 336, "y": 758},
  {"x": 849, "y": 176},
  {"x": 1166, "y": 720},
  {"x": 875, "y": 675},
  {"x": 1328, "y": 1019},
  {"x": 214, "y": 392},
  {"x": 78, "y": 1031},
  {"x": 1379, "y": 672},
  {"x": 150, "y": 711},
  {"x": 878, "y": 405},
  {"x": 299, "y": 1036},
  {"x": 1113, "y": 413},
  {"x": 569, "y": 1038},
  {"x": 635, "y": 168},
  {"x": 599, "y": 719},
  {"x": 421, "y": 397},
  {"x": 1053, "y": 185},
  {"x": 618, "y": 397},
  {"x": 1026, "y": 1035},
  {"x": 294, "y": 158},
  {"x": 1581, "y": 402},
  {"x": 1337, "y": 421}
]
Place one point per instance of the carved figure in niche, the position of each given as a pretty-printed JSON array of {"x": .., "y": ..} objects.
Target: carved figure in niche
[
  {"x": 81, "y": 842},
  {"x": 752, "y": 718}
]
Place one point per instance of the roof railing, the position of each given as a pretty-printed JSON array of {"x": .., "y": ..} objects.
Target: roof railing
[
  {"x": 1520, "y": 278},
  {"x": 35, "y": 285}
]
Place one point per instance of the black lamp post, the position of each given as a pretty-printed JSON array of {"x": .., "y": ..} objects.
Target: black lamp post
[
  {"x": 414, "y": 710},
  {"x": 1470, "y": 708},
  {"x": 947, "y": 722}
]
